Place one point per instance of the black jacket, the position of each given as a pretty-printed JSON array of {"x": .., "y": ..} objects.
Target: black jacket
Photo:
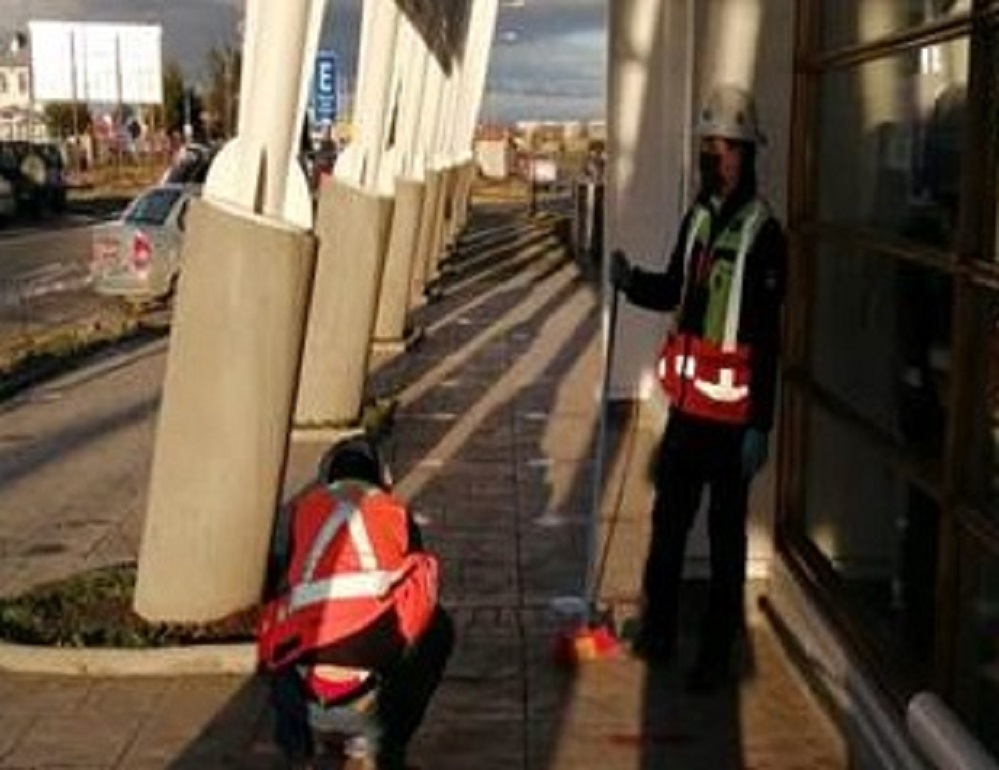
[{"x": 763, "y": 295}]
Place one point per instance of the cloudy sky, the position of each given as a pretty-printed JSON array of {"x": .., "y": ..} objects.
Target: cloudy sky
[{"x": 548, "y": 61}]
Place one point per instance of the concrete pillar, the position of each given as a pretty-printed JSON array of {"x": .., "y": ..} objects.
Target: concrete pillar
[
  {"x": 466, "y": 172},
  {"x": 454, "y": 202},
  {"x": 439, "y": 243},
  {"x": 426, "y": 240},
  {"x": 352, "y": 226},
  {"x": 237, "y": 334},
  {"x": 223, "y": 427},
  {"x": 391, "y": 330},
  {"x": 470, "y": 173}
]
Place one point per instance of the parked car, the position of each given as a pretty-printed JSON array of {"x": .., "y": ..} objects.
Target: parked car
[
  {"x": 9, "y": 173},
  {"x": 37, "y": 174},
  {"x": 137, "y": 257},
  {"x": 190, "y": 165},
  {"x": 53, "y": 191}
]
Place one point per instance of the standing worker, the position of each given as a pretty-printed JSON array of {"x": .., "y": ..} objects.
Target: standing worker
[
  {"x": 725, "y": 279},
  {"x": 353, "y": 638}
]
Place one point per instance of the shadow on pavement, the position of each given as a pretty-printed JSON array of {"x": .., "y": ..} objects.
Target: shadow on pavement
[{"x": 493, "y": 445}]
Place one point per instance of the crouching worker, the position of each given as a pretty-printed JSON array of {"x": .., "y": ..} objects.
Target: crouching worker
[{"x": 352, "y": 636}]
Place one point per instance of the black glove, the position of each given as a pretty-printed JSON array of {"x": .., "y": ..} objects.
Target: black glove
[
  {"x": 620, "y": 271},
  {"x": 755, "y": 448}
]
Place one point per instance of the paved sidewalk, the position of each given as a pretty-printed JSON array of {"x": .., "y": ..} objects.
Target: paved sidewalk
[{"x": 493, "y": 444}]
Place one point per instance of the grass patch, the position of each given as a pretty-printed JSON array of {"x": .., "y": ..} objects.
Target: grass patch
[
  {"x": 33, "y": 358},
  {"x": 94, "y": 609}
]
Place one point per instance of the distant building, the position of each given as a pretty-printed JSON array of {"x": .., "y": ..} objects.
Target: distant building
[
  {"x": 18, "y": 118},
  {"x": 493, "y": 151},
  {"x": 15, "y": 72}
]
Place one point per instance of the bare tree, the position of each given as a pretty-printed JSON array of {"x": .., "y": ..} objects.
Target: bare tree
[{"x": 222, "y": 92}]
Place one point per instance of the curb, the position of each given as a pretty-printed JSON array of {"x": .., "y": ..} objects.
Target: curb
[
  {"x": 164, "y": 661},
  {"x": 38, "y": 365}
]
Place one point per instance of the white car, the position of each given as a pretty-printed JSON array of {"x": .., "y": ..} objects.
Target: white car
[{"x": 137, "y": 257}]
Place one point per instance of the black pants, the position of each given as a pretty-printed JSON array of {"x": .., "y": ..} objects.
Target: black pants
[
  {"x": 694, "y": 455},
  {"x": 402, "y": 697}
]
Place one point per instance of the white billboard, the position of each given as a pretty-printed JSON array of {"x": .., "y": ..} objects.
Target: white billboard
[{"x": 87, "y": 62}]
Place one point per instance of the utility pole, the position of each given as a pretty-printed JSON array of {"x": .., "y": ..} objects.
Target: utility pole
[
  {"x": 188, "y": 129},
  {"x": 227, "y": 93}
]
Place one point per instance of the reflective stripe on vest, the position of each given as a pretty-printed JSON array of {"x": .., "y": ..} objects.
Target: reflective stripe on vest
[
  {"x": 369, "y": 582},
  {"x": 350, "y": 564},
  {"x": 750, "y": 226},
  {"x": 353, "y": 585},
  {"x": 718, "y": 372},
  {"x": 725, "y": 389}
]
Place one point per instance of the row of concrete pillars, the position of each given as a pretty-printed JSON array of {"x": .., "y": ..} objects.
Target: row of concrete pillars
[{"x": 272, "y": 338}]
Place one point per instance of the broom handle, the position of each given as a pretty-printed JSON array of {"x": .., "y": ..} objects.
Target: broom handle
[{"x": 601, "y": 455}]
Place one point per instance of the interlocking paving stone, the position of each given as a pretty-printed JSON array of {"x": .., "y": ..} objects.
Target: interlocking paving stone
[
  {"x": 87, "y": 737},
  {"x": 492, "y": 444}
]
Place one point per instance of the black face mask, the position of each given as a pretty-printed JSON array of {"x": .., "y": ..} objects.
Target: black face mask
[{"x": 709, "y": 165}]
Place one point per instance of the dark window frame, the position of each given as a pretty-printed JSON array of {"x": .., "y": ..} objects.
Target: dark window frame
[{"x": 973, "y": 264}]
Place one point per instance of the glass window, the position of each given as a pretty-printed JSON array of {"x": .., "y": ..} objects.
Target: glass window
[
  {"x": 153, "y": 207},
  {"x": 977, "y": 683},
  {"x": 891, "y": 133},
  {"x": 3, "y": 82},
  {"x": 879, "y": 534},
  {"x": 848, "y": 22},
  {"x": 993, "y": 137},
  {"x": 881, "y": 344},
  {"x": 22, "y": 84},
  {"x": 983, "y": 470}
]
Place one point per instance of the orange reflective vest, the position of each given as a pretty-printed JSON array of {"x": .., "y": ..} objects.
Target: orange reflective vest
[
  {"x": 350, "y": 564},
  {"x": 709, "y": 375}
]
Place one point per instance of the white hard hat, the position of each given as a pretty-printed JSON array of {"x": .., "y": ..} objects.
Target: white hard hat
[{"x": 730, "y": 112}]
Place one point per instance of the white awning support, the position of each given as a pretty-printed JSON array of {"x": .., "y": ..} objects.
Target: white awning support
[
  {"x": 258, "y": 172},
  {"x": 360, "y": 162}
]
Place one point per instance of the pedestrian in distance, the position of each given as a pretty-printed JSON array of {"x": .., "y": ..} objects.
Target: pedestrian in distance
[
  {"x": 725, "y": 281},
  {"x": 351, "y": 637}
]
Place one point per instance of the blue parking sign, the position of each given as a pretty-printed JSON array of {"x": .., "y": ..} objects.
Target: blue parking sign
[{"x": 324, "y": 87}]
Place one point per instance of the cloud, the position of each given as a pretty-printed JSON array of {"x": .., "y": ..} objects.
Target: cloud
[
  {"x": 549, "y": 62},
  {"x": 549, "y": 59}
]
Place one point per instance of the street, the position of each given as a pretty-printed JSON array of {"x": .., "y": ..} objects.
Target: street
[
  {"x": 86, "y": 439},
  {"x": 492, "y": 446},
  {"x": 43, "y": 275}
]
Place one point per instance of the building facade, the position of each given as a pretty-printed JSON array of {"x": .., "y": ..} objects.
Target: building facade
[
  {"x": 19, "y": 116},
  {"x": 15, "y": 76},
  {"x": 877, "y": 527}
]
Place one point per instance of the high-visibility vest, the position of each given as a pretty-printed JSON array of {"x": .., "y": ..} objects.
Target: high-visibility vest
[
  {"x": 708, "y": 375},
  {"x": 350, "y": 565}
]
